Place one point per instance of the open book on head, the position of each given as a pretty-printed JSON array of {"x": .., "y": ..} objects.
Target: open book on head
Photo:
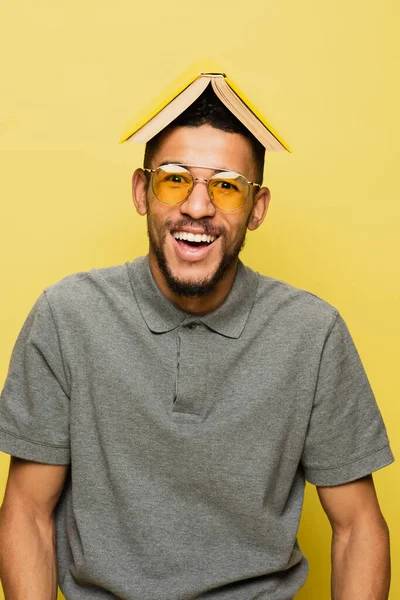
[{"x": 184, "y": 91}]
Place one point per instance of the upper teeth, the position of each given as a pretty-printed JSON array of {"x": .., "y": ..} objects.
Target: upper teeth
[{"x": 193, "y": 237}]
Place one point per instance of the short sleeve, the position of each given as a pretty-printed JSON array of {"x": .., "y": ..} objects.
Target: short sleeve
[
  {"x": 34, "y": 403},
  {"x": 346, "y": 437}
]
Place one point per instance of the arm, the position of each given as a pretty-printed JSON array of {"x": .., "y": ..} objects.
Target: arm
[
  {"x": 28, "y": 567},
  {"x": 360, "y": 541}
]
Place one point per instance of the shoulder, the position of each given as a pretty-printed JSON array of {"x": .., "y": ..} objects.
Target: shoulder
[
  {"x": 90, "y": 289},
  {"x": 297, "y": 308}
]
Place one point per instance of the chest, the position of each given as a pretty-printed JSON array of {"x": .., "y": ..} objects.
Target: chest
[{"x": 191, "y": 375}]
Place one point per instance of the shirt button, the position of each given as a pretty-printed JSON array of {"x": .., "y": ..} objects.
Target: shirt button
[{"x": 192, "y": 325}]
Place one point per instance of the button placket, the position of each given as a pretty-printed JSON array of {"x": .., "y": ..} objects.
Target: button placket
[{"x": 191, "y": 370}]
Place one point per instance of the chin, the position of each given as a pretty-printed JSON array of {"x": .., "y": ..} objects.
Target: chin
[
  {"x": 191, "y": 283},
  {"x": 192, "y": 286}
]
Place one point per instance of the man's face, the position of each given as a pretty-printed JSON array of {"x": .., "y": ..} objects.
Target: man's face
[{"x": 190, "y": 268}]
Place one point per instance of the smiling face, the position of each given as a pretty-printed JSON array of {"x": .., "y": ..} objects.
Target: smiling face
[{"x": 183, "y": 264}]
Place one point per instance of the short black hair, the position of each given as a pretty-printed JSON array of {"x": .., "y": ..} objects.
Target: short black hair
[{"x": 209, "y": 110}]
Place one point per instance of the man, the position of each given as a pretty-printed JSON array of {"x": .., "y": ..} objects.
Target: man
[{"x": 165, "y": 413}]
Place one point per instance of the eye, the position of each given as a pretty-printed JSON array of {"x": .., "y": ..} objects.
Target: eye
[
  {"x": 225, "y": 185},
  {"x": 176, "y": 178},
  {"x": 173, "y": 174}
]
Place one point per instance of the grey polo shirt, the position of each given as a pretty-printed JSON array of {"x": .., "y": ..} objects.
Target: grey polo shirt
[{"x": 188, "y": 438}]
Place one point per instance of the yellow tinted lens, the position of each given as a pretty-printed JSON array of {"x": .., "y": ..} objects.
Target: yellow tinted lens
[
  {"x": 171, "y": 183},
  {"x": 228, "y": 190}
]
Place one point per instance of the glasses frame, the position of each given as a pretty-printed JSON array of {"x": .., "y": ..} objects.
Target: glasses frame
[{"x": 201, "y": 180}]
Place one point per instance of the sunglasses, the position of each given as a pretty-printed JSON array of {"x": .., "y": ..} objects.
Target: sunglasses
[{"x": 173, "y": 183}]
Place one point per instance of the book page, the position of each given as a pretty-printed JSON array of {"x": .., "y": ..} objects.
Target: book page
[
  {"x": 236, "y": 105},
  {"x": 171, "y": 111}
]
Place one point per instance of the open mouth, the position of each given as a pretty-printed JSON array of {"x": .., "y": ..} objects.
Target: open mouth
[{"x": 194, "y": 240}]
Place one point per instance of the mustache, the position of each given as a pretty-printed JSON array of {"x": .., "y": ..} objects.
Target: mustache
[{"x": 205, "y": 225}]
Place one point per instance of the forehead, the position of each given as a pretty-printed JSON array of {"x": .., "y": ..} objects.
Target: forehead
[{"x": 206, "y": 145}]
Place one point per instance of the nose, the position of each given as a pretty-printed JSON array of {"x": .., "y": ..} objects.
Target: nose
[{"x": 198, "y": 204}]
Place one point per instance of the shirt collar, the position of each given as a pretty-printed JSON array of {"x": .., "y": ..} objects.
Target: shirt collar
[{"x": 161, "y": 315}]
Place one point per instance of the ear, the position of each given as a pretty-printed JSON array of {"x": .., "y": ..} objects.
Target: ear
[
  {"x": 139, "y": 191},
  {"x": 260, "y": 207}
]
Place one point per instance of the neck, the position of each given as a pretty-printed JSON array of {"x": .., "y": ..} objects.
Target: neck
[{"x": 195, "y": 305}]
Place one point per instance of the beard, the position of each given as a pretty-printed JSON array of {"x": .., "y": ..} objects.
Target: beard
[{"x": 199, "y": 287}]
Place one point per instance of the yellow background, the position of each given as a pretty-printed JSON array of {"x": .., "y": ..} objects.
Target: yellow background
[{"x": 326, "y": 76}]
